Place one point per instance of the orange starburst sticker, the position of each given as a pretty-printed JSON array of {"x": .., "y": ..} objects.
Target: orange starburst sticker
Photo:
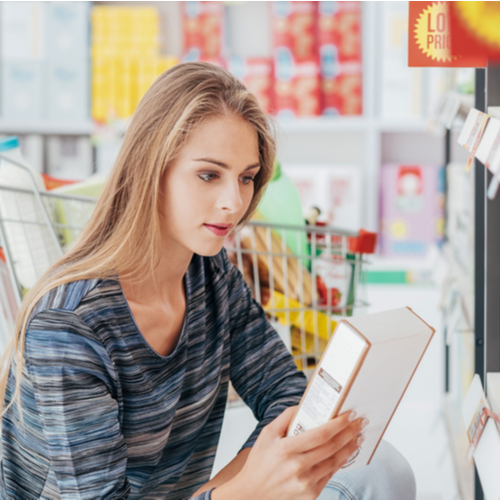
[
  {"x": 430, "y": 37},
  {"x": 432, "y": 32}
]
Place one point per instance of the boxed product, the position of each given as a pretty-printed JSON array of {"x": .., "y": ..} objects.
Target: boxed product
[
  {"x": 257, "y": 76},
  {"x": 339, "y": 40},
  {"x": 68, "y": 90},
  {"x": 67, "y": 29},
  {"x": 21, "y": 30},
  {"x": 203, "y": 30},
  {"x": 21, "y": 89},
  {"x": 294, "y": 27},
  {"x": 335, "y": 190},
  {"x": 411, "y": 208},
  {"x": 69, "y": 157},
  {"x": 296, "y": 86}
]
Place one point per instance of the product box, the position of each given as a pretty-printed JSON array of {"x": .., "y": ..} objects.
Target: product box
[
  {"x": 366, "y": 367},
  {"x": 296, "y": 86},
  {"x": 339, "y": 39},
  {"x": 411, "y": 208},
  {"x": 335, "y": 190},
  {"x": 257, "y": 76},
  {"x": 67, "y": 29},
  {"x": 22, "y": 30},
  {"x": 69, "y": 157},
  {"x": 32, "y": 150},
  {"x": 21, "y": 90},
  {"x": 68, "y": 90},
  {"x": 203, "y": 30},
  {"x": 294, "y": 27}
]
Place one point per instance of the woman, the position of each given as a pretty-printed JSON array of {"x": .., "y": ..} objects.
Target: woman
[{"x": 125, "y": 348}]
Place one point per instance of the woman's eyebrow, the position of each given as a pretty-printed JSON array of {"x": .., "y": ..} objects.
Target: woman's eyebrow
[{"x": 223, "y": 165}]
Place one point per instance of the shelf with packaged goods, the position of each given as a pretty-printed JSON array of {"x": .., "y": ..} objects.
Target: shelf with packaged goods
[
  {"x": 46, "y": 128},
  {"x": 349, "y": 124}
]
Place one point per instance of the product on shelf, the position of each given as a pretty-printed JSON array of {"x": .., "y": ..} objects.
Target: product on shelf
[
  {"x": 339, "y": 38},
  {"x": 126, "y": 59},
  {"x": 294, "y": 28},
  {"x": 296, "y": 86},
  {"x": 411, "y": 208},
  {"x": 335, "y": 190},
  {"x": 69, "y": 157},
  {"x": 256, "y": 73},
  {"x": 203, "y": 24}
]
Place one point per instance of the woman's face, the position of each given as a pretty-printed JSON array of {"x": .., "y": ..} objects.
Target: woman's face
[{"x": 209, "y": 186}]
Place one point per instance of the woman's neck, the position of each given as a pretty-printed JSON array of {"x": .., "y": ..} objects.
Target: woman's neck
[{"x": 165, "y": 282}]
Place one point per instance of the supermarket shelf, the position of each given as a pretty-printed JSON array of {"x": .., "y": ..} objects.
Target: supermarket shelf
[
  {"x": 46, "y": 128},
  {"x": 349, "y": 124}
]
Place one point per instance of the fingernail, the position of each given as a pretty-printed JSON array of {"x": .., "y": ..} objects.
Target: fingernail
[
  {"x": 364, "y": 423},
  {"x": 360, "y": 439},
  {"x": 352, "y": 416}
]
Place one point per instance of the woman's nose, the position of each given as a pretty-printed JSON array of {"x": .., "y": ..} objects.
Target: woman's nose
[{"x": 230, "y": 198}]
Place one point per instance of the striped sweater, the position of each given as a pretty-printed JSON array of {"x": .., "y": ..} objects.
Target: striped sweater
[{"x": 105, "y": 416}]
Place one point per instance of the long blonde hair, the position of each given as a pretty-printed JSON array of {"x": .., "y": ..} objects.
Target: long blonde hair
[{"x": 127, "y": 214}]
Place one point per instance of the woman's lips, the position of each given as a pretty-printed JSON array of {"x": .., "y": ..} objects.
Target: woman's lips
[{"x": 219, "y": 230}]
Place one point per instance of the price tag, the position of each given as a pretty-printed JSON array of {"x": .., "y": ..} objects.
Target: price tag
[
  {"x": 475, "y": 137},
  {"x": 476, "y": 428}
]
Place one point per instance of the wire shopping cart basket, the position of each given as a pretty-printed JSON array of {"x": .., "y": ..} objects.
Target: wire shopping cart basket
[
  {"x": 306, "y": 291},
  {"x": 36, "y": 227}
]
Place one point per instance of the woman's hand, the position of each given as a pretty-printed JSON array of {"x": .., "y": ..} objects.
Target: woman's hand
[{"x": 298, "y": 467}]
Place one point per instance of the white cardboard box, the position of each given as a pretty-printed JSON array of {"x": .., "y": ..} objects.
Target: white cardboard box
[
  {"x": 367, "y": 367},
  {"x": 67, "y": 34},
  {"x": 21, "y": 30},
  {"x": 335, "y": 189},
  {"x": 69, "y": 157},
  {"x": 68, "y": 90},
  {"x": 21, "y": 90}
]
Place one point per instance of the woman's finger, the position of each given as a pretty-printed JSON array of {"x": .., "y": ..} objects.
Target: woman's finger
[
  {"x": 329, "y": 466},
  {"x": 322, "y": 434}
]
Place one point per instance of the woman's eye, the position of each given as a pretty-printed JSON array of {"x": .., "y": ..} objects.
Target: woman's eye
[
  {"x": 207, "y": 177},
  {"x": 247, "y": 180}
]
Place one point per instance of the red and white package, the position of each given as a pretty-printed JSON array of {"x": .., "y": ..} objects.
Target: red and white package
[
  {"x": 306, "y": 88},
  {"x": 203, "y": 31},
  {"x": 257, "y": 76}
]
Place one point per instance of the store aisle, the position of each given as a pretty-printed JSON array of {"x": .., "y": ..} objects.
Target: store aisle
[{"x": 418, "y": 428}]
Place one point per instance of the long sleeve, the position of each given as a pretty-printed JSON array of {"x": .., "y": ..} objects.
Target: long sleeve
[
  {"x": 75, "y": 390},
  {"x": 262, "y": 370}
]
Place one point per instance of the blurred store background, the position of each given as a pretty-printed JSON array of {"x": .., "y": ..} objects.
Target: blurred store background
[{"x": 362, "y": 136}]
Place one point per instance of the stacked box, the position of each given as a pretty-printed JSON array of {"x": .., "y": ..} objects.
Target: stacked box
[
  {"x": 339, "y": 39},
  {"x": 69, "y": 157},
  {"x": 126, "y": 59},
  {"x": 67, "y": 66},
  {"x": 411, "y": 208},
  {"x": 22, "y": 50},
  {"x": 257, "y": 76},
  {"x": 297, "y": 84},
  {"x": 204, "y": 25}
]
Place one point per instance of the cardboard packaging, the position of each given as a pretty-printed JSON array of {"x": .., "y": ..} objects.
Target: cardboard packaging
[
  {"x": 336, "y": 190},
  {"x": 22, "y": 31},
  {"x": 366, "y": 367},
  {"x": 68, "y": 90},
  {"x": 67, "y": 30},
  {"x": 257, "y": 76},
  {"x": 203, "y": 30},
  {"x": 21, "y": 90},
  {"x": 411, "y": 208},
  {"x": 69, "y": 157},
  {"x": 339, "y": 41}
]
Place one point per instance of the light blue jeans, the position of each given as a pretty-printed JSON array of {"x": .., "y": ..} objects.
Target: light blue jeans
[{"x": 388, "y": 477}]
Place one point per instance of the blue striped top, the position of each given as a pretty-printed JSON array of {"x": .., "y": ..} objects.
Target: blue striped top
[{"x": 105, "y": 416}]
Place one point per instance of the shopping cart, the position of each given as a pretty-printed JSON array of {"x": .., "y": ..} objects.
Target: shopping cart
[
  {"x": 36, "y": 227},
  {"x": 304, "y": 293}
]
